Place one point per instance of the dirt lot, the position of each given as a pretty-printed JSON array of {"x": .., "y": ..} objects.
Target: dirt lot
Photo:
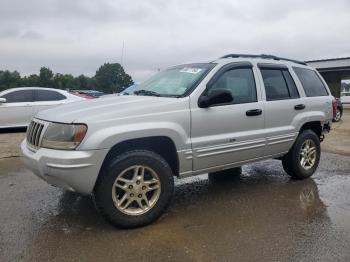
[
  {"x": 338, "y": 141},
  {"x": 260, "y": 215}
]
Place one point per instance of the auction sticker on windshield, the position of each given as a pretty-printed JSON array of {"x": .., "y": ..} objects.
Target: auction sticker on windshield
[{"x": 191, "y": 70}]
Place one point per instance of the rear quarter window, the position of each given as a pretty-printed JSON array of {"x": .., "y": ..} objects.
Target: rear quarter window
[
  {"x": 311, "y": 82},
  {"x": 48, "y": 95}
]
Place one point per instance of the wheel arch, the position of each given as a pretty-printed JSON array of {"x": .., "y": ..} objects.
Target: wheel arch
[
  {"x": 162, "y": 145},
  {"x": 315, "y": 126}
]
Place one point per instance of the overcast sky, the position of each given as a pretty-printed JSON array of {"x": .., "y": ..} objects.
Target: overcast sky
[{"x": 77, "y": 36}]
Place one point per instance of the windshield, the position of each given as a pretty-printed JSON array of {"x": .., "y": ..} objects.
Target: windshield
[{"x": 175, "y": 81}]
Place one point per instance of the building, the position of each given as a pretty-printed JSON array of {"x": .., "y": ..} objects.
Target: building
[{"x": 333, "y": 71}]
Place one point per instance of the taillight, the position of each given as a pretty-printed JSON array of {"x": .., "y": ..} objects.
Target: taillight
[{"x": 334, "y": 105}]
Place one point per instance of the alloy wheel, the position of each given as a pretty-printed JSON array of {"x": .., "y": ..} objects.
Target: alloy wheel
[
  {"x": 136, "y": 190},
  {"x": 308, "y": 154},
  {"x": 337, "y": 115}
]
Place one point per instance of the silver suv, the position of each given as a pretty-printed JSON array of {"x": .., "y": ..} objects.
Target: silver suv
[{"x": 190, "y": 119}]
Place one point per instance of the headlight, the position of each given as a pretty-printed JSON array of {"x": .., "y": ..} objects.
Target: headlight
[{"x": 63, "y": 136}]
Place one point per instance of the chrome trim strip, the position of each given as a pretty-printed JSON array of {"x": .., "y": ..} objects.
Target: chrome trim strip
[
  {"x": 229, "y": 145},
  {"x": 234, "y": 149},
  {"x": 226, "y": 166},
  {"x": 291, "y": 135},
  {"x": 273, "y": 140},
  {"x": 59, "y": 166},
  {"x": 281, "y": 141}
]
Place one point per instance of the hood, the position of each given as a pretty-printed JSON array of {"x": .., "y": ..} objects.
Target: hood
[{"x": 108, "y": 108}]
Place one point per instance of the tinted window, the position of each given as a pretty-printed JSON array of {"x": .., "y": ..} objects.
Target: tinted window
[
  {"x": 240, "y": 82},
  {"x": 275, "y": 85},
  {"x": 293, "y": 91},
  {"x": 48, "y": 95},
  {"x": 311, "y": 82},
  {"x": 19, "y": 96}
]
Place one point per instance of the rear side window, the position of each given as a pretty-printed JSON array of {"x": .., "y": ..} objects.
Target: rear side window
[
  {"x": 19, "y": 96},
  {"x": 279, "y": 84},
  {"x": 240, "y": 82},
  {"x": 293, "y": 91},
  {"x": 311, "y": 82},
  {"x": 48, "y": 95}
]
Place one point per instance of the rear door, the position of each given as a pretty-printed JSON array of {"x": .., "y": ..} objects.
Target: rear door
[
  {"x": 282, "y": 106},
  {"x": 44, "y": 99},
  {"x": 17, "y": 111},
  {"x": 318, "y": 98},
  {"x": 224, "y": 134}
]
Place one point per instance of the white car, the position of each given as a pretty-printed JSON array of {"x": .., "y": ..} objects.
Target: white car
[
  {"x": 345, "y": 98},
  {"x": 19, "y": 105}
]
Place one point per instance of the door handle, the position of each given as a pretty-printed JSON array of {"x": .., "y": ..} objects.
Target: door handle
[
  {"x": 254, "y": 112},
  {"x": 299, "y": 107}
]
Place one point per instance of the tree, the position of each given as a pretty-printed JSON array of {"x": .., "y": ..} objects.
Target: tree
[
  {"x": 83, "y": 82},
  {"x": 9, "y": 79},
  {"x": 112, "y": 78},
  {"x": 45, "y": 76},
  {"x": 109, "y": 78},
  {"x": 32, "y": 80},
  {"x": 65, "y": 81}
]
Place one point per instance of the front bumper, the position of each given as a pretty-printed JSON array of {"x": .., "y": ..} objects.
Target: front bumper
[{"x": 72, "y": 170}]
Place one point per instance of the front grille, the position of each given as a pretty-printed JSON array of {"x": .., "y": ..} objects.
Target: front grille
[{"x": 34, "y": 133}]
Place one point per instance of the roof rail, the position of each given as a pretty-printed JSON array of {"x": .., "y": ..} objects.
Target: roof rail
[{"x": 263, "y": 56}]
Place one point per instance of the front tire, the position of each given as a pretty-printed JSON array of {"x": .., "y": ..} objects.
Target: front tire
[
  {"x": 303, "y": 158},
  {"x": 135, "y": 189}
]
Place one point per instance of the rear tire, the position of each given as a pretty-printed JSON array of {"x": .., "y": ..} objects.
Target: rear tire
[
  {"x": 303, "y": 158},
  {"x": 135, "y": 189},
  {"x": 338, "y": 115}
]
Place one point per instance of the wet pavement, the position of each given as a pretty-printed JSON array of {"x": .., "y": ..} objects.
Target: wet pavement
[{"x": 260, "y": 215}]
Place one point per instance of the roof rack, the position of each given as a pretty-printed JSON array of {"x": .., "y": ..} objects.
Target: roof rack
[{"x": 263, "y": 56}]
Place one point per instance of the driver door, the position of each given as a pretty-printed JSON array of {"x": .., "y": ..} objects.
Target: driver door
[{"x": 227, "y": 134}]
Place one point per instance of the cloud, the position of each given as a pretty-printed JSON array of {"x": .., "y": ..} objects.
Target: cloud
[{"x": 78, "y": 36}]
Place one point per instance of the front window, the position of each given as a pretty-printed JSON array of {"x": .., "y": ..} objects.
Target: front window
[
  {"x": 175, "y": 81},
  {"x": 240, "y": 82}
]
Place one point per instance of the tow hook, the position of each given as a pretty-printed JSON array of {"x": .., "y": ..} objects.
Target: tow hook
[{"x": 321, "y": 137}]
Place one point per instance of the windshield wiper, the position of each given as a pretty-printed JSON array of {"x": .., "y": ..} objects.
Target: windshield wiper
[{"x": 146, "y": 92}]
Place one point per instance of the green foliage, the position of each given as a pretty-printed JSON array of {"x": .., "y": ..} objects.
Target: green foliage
[
  {"x": 110, "y": 78},
  {"x": 32, "y": 80},
  {"x": 45, "y": 76},
  {"x": 9, "y": 79}
]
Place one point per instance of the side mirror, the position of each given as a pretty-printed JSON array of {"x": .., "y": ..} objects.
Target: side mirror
[
  {"x": 2, "y": 100},
  {"x": 214, "y": 97}
]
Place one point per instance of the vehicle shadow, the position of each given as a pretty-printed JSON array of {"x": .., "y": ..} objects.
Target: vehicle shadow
[
  {"x": 260, "y": 189},
  {"x": 214, "y": 216},
  {"x": 13, "y": 130}
]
